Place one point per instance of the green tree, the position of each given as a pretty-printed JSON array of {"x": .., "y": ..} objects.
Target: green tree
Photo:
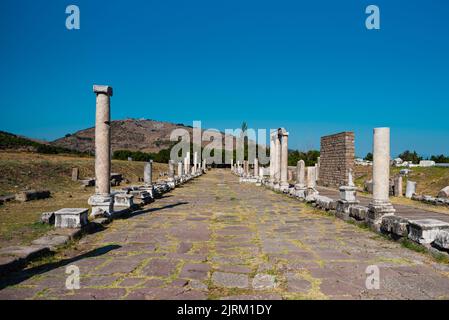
[
  {"x": 410, "y": 156},
  {"x": 368, "y": 157}
]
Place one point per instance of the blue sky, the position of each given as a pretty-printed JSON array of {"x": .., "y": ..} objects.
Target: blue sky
[{"x": 311, "y": 67}]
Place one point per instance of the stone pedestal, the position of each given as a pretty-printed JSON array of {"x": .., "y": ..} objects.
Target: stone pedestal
[
  {"x": 426, "y": 230},
  {"x": 347, "y": 200},
  {"x": 124, "y": 200},
  {"x": 102, "y": 205},
  {"x": 71, "y": 218}
]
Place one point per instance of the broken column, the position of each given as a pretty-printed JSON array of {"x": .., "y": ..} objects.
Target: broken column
[
  {"x": 380, "y": 205},
  {"x": 148, "y": 173},
  {"x": 284, "y": 161},
  {"x": 272, "y": 157},
  {"x": 410, "y": 189},
  {"x": 300, "y": 186},
  {"x": 171, "y": 174},
  {"x": 311, "y": 182},
  {"x": 347, "y": 198},
  {"x": 398, "y": 186},
  {"x": 102, "y": 202},
  {"x": 75, "y": 174},
  {"x": 256, "y": 167},
  {"x": 195, "y": 162},
  {"x": 277, "y": 160},
  {"x": 180, "y": 174}
]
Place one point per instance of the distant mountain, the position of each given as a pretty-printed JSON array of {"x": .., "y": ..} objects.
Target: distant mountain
[{"x": 131, "y": 134}]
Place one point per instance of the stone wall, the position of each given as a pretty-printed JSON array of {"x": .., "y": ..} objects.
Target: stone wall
[{"x": 336, "y": 158}]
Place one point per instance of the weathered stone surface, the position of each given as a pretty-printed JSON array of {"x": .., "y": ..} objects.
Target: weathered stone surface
[
  {"x": 48, "y": 218},
  {"x": 230, "y": 280},
  {"x": 395, "y": 225},
  {"x": 444, "y": 193},
  {"x": 336, "y": 158},
  {"x": 52, "y": 241},
  {"x": 32, "y": 195},
  {"x": 71, "y": 218},
  {"x": 425, "y": 231},
  {"x": 264, "y": 282},
  {"x": 442, "y": 239},
  {"x": 358, "y": 212},
  {"x": 25, "y": 252},
  {"x": 198, "y": 271}
]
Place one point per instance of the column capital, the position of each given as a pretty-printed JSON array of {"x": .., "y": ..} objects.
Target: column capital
[{"x": 103, "y": 89}]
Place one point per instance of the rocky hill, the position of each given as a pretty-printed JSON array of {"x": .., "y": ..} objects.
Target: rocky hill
[{"x": 131, "y": 134}]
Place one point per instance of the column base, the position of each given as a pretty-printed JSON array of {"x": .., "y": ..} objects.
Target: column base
[
  {"x": 102, "y": 205},
  {"x": 376, "y": 211},
  {"x": 284, "y": 186},
  {"x": 343, "y": 208}
]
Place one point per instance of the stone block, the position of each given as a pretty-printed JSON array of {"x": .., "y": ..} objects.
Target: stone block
[
  {"x": 425, "y": 231},
  {"x": 32, "y": 195},
  {"x": 48, "y": 218},
  {"x": 444, "y": 193},
  {"x": 25, "y": 252},
  {"x": 124, "y": 200},
  {"x": 71, "y": 218},
  {"x": 89, "y": 182},
  {"x": 358, "y": 212},
  {"x": 442, "y": 239},
  {"x": 395, "y": 225},
  {"x": 52, "y": 241}
]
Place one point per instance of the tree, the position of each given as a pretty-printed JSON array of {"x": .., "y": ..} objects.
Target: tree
[
  {"x": 369, "y": 157},
  {"x": 410, "y": 156},
  {"x": 440, "y": 158}
]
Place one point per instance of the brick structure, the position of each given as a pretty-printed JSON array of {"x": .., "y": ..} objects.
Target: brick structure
[{"x": 336, "y": 158}]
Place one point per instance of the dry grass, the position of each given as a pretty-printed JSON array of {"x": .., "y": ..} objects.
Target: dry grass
[
  {"x": 18, "y": 171},
  {"x": 429, "y": 180}
]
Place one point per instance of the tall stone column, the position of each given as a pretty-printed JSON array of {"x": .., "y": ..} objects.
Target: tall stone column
[
  {"x": 148, "y": 173},
  {"x": 102, "y": 202},
  {"x": 245, "y": 168},
  {"x": 272, "y": 156},
  {"x": 284, "y": 162},
  {"x": 277, "y": 160},
  {"x": 256, "y": 167},
  {"x": 318, "y": 165},
  {"x": 380, "y": 205}
]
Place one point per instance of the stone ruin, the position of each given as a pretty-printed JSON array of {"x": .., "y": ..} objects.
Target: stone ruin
[{"x": 336, "y": 159}]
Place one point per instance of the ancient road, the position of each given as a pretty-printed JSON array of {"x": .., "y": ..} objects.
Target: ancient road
[{"x": 214, "y": 238}]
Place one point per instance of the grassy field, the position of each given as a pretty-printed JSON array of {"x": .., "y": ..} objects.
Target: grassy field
[
  {"x": 429, "y": 180},
  {"x": 19, "y": 221}
]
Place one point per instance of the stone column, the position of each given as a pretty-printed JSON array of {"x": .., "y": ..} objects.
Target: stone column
[
  {"x": 256, "y": 167},
  {"x": 180, "y": 174},
  {"x": 300, "y": 174},
  {"x": 410, "y": 189},
  {"x": 277, "y": 160},
  {"x": 272, "y": 156},
  {"x": 380, "y": 205},
  {"x": 102, "y": 202},
  {"x": 171, "y": 169},
  {"x": 311, "y": 180},
  {"x": 284, "y": 161},
  {"x": 246, "y": 168},
  {"x": 318, "y": 164},
  {"x": 398, "y": 186},
  {"x": 195, "y": 161},
  {"x": 148, "y": 173}
]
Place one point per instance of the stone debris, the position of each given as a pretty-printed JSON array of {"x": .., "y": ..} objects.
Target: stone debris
[
  {"x": 442, "y": 239},
  {"x": 30, "y": 195},
  {"x": 395, "y": 226},
  {"x": 444, "y": 193},
  {"x": 48, "y": 218}
]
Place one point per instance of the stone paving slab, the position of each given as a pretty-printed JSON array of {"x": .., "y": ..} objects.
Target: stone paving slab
[{"x": 217, "y": 239}]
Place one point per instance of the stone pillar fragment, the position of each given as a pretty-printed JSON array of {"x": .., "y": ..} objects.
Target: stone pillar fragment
[
  {"x": 410, "y": 189},
  {"x": 148, "y": 173},
  {"x": 256, "y": 167},
  {"x": 300, "y": 174},
  {"x": 75, "y": 174},
  {"x": 171, "y": 169},
  {"x": 180, "y": 165},
  {"x": 102, "y": 202},
  {"x": 284, "y": 161},
  {"x": 380, "y": 205},
  {"x": 398, "y": 186},
  {"x": 277, "y": 160},
  {"x": 272, "y": 156}
]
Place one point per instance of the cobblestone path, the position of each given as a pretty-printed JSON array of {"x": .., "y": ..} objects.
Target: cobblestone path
[{"x": 214, "y": 238}]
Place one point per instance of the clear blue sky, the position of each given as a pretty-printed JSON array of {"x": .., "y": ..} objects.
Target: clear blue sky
[{"x": 311, "y": 67}]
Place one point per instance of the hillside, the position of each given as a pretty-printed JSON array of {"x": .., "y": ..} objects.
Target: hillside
[{"x": 130, "y": 134}]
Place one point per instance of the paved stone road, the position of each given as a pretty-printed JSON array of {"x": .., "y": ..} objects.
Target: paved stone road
[{"x": 214, "y": 238}]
